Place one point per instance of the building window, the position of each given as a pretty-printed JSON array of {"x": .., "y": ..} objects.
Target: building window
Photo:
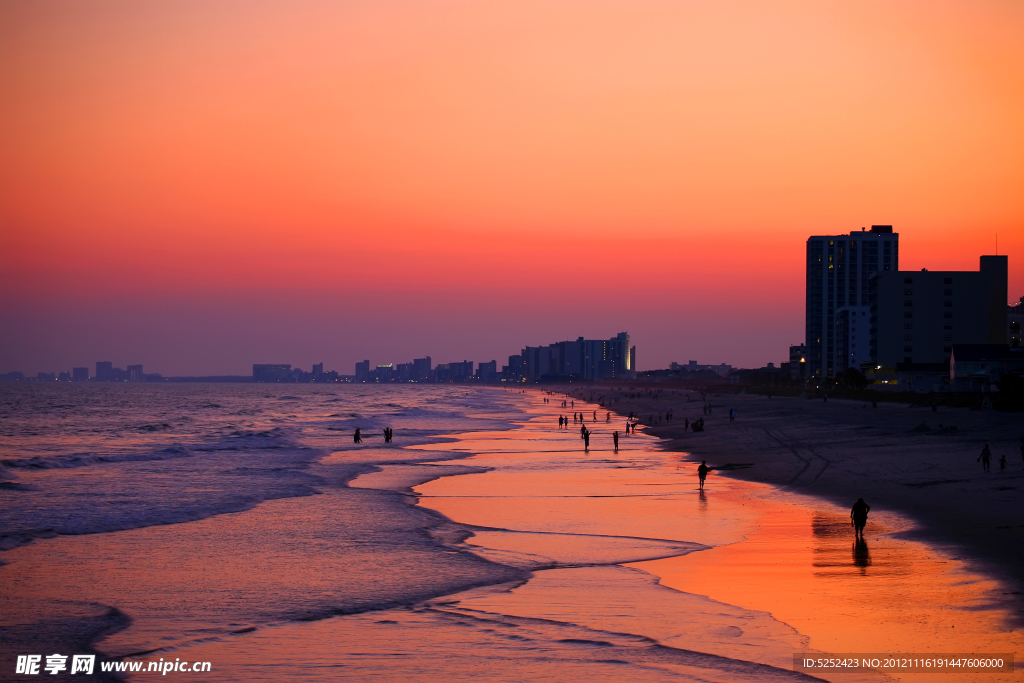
[
  {"x": 908, "y": 337},
  {"x": 908, "y": 292},
  {"x": 948, "y": 292},
  {"x": 908, "y": 280},
  {"x": 908, "y": 314},
  {"x": 947, "y": 349},
  {"x": 947, "y": 337},
  {"x": 908, "y": 349},
  {"x": 948, "y": 281},
  {"x": 947, "y": 327},
  {"x": 947, "y": 304},
  {"x": 908, "y": 303},
  {"x": 947, "y": 315}
]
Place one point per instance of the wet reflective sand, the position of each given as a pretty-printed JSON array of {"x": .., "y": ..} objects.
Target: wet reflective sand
[{"x": 790, "y": 560}]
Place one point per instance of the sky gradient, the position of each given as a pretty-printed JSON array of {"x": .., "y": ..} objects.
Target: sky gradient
[{"x": 200, "y": 186}]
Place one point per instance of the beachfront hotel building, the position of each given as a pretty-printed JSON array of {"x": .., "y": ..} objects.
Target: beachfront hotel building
[
  {"x": 918, "y": 316},
  {"x": 588, "y": 359},
  {"x": 838, "y": 272}
]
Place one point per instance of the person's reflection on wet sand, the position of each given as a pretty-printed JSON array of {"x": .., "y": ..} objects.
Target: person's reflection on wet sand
[
  {"x": 861, "y": 554},
  {"x": 703, "y": 501}
]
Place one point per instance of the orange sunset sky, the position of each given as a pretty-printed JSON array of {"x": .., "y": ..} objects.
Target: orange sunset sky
[{"x": 198, "y": 186}]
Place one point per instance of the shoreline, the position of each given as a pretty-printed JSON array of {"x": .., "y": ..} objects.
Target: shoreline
[
  {"x": 896, "y": 457},
  {"x": 781, "y": 556}
]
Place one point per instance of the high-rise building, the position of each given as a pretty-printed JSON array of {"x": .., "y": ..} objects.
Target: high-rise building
[
  {"x": 79, "y": 374},
  {"x": 1014, "y": 319},
  {"x": 271, "y": 372},
  {"x": 487, "y": 372},
  {"x": 917, "y": 316},
  {"x": 421, "y": 369},
  {"x": 104, "y": 371},
  {"x": 584, "y": 358},
  {"x": 318, "y": 371},
  {"x": 135, "y": 374},
  {"x": 838, "y": 269},
  {"x": 363, "y": 371},
  {"x": 852, "y": 338}
]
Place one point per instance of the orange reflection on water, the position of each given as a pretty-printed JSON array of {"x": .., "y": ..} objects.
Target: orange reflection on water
[{"x": 883, "y": 594}]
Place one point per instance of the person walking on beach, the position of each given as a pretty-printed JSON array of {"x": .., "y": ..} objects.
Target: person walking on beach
[
  {"x": 615, "y": 438},
  {"x": 686, "y": 424},
  {"x": 859, "y": 515},
  {"x": 1002, "y": 463},
  {"x": 559, "y": 421},
  {"x": 702, "y": 473},
  {"x": 357, "y": 437},
  {"x": 985, "y": 458}
]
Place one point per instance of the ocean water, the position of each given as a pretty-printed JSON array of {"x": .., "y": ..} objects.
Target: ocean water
[
  {"x": 241, "y": 525},
  {"x": 163, "y": 514}
]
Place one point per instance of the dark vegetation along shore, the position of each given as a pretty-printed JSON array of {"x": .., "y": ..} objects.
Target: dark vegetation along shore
[{"x": 920, "y": 461}]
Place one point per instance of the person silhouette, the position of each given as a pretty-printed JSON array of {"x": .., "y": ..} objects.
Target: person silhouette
[
  {"x": 1002, "y": 462},
  {"x": 859, "y": 515},
  {"x": 985, "y": 458},
  {"x": 357, "y": 437},
  {"x": 702, "y": 473},
  {"x": 615, "y": 438},
  {"x": 586, "y": 439}
]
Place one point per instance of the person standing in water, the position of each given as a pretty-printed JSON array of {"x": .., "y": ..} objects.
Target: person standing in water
[
  {"x": 859, "y": 515},
  {"x": 357, "y": 437},
  {"x": 586, "y": 439},
  {"x": 702, "y": 473},
  {"x": 615, "y": 438}
]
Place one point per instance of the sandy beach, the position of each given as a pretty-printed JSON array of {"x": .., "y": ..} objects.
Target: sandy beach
[{"x": 912, "y": 461}]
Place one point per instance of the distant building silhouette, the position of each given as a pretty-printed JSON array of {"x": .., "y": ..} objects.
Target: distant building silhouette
[
  {"x": 487, "y": 372},
  {"x": 422, "y": 369},
  {"x": 104, "y": 371},
  {"x": 583, "y": 359},
  {"x": 265, "y": 372},
  {"x": 135, "y": 374},
  {"x": 362, "y": 371},
  {"x": 838, "y": 270},
  {"x": 918, "y": 316},
  {"x": 1014, "y": 319},
  {"x": 80, "y": 374}
]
